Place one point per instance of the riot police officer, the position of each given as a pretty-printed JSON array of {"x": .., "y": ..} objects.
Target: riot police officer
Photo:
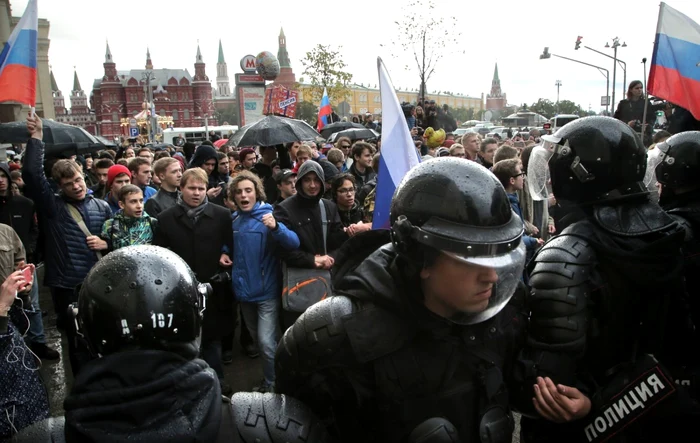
[
  {"x": 678, "y": 174},
  {"x": 417, "y": 341},
  {"x": 140, "y": 311},
  {"x": 600, "y": 293}
]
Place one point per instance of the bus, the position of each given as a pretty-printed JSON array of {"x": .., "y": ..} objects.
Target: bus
[{"x": 197, "y": 134}]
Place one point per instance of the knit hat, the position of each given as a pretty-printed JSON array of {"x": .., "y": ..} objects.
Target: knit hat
[
  {"x": 114, "y": 171},
  {"x": 245, "y": 151}
]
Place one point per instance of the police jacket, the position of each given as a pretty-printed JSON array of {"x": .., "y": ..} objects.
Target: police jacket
[
  {"x": 374, "y": 363},
  {"x": 598, "y": 304},
  {"x": 68, "y": 258},
  {"x": 160, "y": 396}
]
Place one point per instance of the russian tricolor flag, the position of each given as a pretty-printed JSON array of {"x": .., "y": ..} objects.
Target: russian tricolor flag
[
  {"x": 398, "y": 154},
  {"x": 675, "y": 66},
  {"x": 18, "y": 60},
  {"x": 324, "y": 111}
]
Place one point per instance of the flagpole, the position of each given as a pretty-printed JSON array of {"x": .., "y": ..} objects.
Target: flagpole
[{"x": 646, "y": 99}]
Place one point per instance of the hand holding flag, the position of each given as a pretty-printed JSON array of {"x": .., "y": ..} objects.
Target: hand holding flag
[{"x": 18, "y": 60}]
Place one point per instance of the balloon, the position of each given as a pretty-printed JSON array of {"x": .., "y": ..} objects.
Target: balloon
[{"x": 268, "y": 66}]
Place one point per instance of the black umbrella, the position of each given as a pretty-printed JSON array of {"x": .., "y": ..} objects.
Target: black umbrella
[
  {"x": 354, "y": 134},
  {"x": 273, "y": 130},
  {"x": 59, "y": 138},
  {"x": 337, "y": 127},
  {"x": 108, "y": 143}
]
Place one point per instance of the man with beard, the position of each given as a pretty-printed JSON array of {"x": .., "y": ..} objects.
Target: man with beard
[
  {"x": 418, "y": 338},
  {"x": 600, "y": 297}
]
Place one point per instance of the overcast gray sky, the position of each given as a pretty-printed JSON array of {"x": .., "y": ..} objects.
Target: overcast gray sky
[{"x": 508, "y": 32}]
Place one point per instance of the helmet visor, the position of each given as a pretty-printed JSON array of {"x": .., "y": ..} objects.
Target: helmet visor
[
  {"x": 654, "y": 158},
  {"x": 509, "y": 268},
  {"x": 538, "y": 177}
]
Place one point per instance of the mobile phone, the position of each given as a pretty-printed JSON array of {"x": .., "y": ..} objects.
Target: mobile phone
[
  {"x": 28, "y": 274},
  {"x": 221, "y": 184}
]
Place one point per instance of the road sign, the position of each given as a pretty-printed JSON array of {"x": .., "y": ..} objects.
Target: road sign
[
  {"x": 605, "y": 100},
  {"x": 134, "y": 132},
  {"x": 248, "y": 63},
  {"x": 132, "y": 123}
]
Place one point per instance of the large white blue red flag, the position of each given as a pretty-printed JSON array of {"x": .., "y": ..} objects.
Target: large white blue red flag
[
  {"x": 675, "y": 66},
  {"x": 398, "y": 153},
  {"x": 324, "y": 111},
  {"x": 18, "y": 60}
]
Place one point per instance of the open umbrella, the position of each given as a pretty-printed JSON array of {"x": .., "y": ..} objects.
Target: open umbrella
[
  {"x": 354, "y": 134},
  {"x": 337, "y": 127},
  {"x": 59, "y": 138},
  {"x": 273, "y": 130},
  {"x": 108, "y": 143},
  {"x": 219, "y": 143}
]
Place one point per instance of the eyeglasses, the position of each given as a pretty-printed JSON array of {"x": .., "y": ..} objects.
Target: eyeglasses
[
  {"x": 70, "y": 184},
  {"x": 518, "y": 175},
  {"x": 346, "y": 191},
  {"x": 345, "y": 146}
]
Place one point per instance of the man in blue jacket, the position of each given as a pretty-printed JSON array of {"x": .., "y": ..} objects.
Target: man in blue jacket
[
  {"x": 70, "y": 252},
  {"x": 256, "y": 273}
]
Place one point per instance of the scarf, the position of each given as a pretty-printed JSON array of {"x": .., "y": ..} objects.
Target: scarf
[{"x": 195, "y": 212}]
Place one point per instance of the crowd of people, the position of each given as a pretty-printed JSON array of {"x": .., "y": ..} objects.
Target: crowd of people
[{"x": 536, "y": 274}]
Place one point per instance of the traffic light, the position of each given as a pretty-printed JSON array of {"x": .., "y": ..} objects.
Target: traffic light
[
  {"x": 578, "y": 42},
  {"x": 545, "y": 54}
]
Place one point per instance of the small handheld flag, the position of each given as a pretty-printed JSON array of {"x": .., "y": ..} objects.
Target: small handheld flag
[
  {"x": 324, "y": 111},
  {"x": 674, "y": 73},
  {"x": 398, "y": 154},
  {"x": 18, "y": 60}
]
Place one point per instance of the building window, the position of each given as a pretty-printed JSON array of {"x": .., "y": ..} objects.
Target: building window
[
  {"x": 187, "y": 114},
  {"x": 363, "y": 98},
  {"x": 378, "y": 111},
  {"x": 162, "y": 112},
  {"x": 115, "y": 117},
  {"x": 175, "y": 114},
  {"x": 378, "y": 98}
]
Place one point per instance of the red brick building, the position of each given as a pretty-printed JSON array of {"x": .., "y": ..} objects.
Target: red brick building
[
  {"x": 286, "y": 77},
  {"x": 119, "y": 95},
  {"x": 79, "y": 113}
]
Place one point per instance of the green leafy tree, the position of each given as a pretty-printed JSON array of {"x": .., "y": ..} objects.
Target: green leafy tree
[
  {"x": 324, "y": 68},
  {"x": 544, "y": 107},
  {"x": 308, "y": 112},
  {"x": 462, "y": 114},
  {"x": 228, "y": 115},
  {"x": 569, "y": 107},
  {"x": 428, "y": 36}
]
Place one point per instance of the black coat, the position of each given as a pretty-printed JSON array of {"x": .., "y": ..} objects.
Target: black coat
[
  {"x": 18, "y": 212},
  {"x": 200, "y": 247},
  {"x": 303, "y": 216}
]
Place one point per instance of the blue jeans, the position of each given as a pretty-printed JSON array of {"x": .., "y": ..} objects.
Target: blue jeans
[
  {"x": 36, "y": 323},
  {"x": 262, "y": 320}
]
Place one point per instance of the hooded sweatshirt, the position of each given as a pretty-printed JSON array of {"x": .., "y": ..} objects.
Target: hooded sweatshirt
[
  {"x": 301, "y": 213},
  {"x": 146, "y": 396}
]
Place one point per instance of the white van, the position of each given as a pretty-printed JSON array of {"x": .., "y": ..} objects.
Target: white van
[{"x": 560, "y": 120}]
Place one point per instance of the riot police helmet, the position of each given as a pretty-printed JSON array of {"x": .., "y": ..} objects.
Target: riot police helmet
[
  {"x": 459, "y": 208},
  {"x": 592, "y": 159},
  {"x": 142, "y": 297},
  {"x": 679, "y": 160}
]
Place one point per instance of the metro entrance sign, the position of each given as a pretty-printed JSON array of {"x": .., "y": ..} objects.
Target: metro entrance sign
[{"x": 248, "y": 63}]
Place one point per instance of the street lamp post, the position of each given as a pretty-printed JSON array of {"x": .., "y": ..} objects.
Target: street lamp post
[
  {"x": 623, "y": 65},
  {"x": 546, "y": 54},
  {"x": 615, "y": 45},
  {"x": 558, "y": 84},
  {"x": 147, "y": 76}
]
